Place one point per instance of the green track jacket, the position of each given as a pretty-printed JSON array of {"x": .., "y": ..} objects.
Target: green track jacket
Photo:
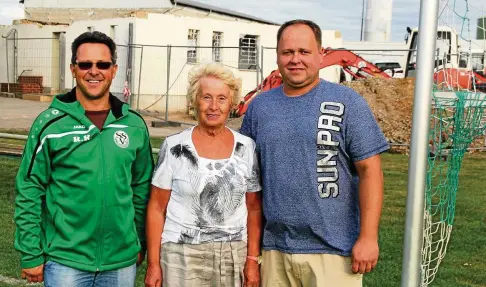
[{"x": 82, "y": 192}]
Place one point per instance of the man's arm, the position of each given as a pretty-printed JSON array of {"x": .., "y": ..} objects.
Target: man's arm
[
  {"x": 141, "y": 176},
  {"x": 31, "y": 181},
  {"x": 366, "y": 251}
]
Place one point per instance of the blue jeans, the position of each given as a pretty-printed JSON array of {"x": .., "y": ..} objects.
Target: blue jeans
[{"x": 58, "y": 275}]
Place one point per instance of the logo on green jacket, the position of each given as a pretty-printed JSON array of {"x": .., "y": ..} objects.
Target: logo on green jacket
[{"x": 121, "y": 139}]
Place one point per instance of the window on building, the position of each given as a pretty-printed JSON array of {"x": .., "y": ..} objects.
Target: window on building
[
  {"x": 247, "y": 58},
  {"x": 192, "y": 42},
  {"x": 217, "y": 43}
]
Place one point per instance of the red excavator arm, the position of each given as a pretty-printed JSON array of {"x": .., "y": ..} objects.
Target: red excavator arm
[{"x": 346, "y": 59}]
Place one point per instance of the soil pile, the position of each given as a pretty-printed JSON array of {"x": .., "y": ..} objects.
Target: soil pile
[{"x": 391, "y": 102}]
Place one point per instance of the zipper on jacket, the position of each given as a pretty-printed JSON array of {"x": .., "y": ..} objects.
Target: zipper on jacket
[{"x": 99, "y": 254}]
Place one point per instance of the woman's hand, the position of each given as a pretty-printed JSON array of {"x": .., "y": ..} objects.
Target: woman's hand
[
  {"x": 252, "y": 274},
  {"x": 153, "y": 277}
]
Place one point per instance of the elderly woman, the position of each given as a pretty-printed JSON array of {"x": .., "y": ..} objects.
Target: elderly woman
[{"x": 204, "y": 214}]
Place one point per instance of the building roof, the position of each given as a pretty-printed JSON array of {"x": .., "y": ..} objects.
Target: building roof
[{"x": 210, "y": 8}]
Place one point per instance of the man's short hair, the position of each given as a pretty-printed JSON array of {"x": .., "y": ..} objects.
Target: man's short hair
[
  {"x": 314, "y": 27},
  {"x": 93, "y": 37}
]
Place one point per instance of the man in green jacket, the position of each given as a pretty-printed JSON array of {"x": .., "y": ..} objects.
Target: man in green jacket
[{"x": 84, "y": 180}]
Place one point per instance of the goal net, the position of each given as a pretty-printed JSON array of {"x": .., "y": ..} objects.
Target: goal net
[{"x": 458, "y": 119}]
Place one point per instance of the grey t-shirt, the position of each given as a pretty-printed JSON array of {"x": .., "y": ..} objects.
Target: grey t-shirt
[{"x": 307, "y": 146}]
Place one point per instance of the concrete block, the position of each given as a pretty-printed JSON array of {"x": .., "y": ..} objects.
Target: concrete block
[{"x": 37, "y": 97}]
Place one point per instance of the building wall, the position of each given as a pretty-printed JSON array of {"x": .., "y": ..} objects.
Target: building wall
[
  {"x": 38, "y": 53},
  {"x": 155, "y": 31},
  {"x": 170, "y": 29},
  {"x": 97, "y": 4},
  {"x": 150, "y": 63},
  {"x": 68, "y": 15},
  {"x": 185, "y": 11},
  {"x": 3, "y": 59}
]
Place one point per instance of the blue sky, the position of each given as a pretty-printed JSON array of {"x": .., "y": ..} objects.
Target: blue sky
[{"x": 343, "y": 15}]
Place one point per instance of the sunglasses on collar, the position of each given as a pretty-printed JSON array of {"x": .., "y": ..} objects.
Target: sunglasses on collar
[{"x": 99, "y": 65}]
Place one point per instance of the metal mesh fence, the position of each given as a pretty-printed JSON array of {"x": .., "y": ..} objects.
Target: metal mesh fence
[
  {"x": 33, "y": 65},
  {"x": 232, "y": 57},
  {"x": 268, "y": 61},
  {"x": 147, "y": 73},
  {"x": 125, "y": 74},
  {"x": 150, "y": 78},
  {"x": 11, "y": 65},
  {"x": 161, "y": 74}
]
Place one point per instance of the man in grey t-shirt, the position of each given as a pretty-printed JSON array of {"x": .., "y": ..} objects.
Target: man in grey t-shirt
[{"x": 319, "y": 147}]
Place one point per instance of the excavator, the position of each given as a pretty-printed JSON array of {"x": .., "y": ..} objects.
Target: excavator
[
  {"x": 350, "y": 62},
  {"x": 447, "y": 75}
]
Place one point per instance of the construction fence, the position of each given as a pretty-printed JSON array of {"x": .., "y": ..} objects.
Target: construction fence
[
  {"x": 160, "y": 73},
  {"x": 33, "y": 65},
  {"x": 152, "y": 78}
]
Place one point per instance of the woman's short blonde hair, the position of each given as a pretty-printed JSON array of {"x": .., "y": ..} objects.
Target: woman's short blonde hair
[{"x": 217, "y": 71}]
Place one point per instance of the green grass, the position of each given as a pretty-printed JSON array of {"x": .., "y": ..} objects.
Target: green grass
[
  {"x": 9, "y": 259},
  {"x": 155, "y": 142},
  {"x": 463, "y": 265},
  {"x": 464, "y": 262}
]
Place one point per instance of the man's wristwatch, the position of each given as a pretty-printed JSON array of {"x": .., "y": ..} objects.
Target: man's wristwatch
[{"x": 258, "y": 259}]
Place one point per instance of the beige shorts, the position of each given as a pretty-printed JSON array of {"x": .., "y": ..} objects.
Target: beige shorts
[
  {"x": 307, "y": 270},
  {"x": 217, "y": 264}
]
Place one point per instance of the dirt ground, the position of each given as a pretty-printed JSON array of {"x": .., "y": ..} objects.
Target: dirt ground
[{"x": 391, "y": 102}]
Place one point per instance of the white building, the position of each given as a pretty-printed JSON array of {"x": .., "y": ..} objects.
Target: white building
[
  {"x": 196, "y": 33},
  {"x": 378, "y": 51}
]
